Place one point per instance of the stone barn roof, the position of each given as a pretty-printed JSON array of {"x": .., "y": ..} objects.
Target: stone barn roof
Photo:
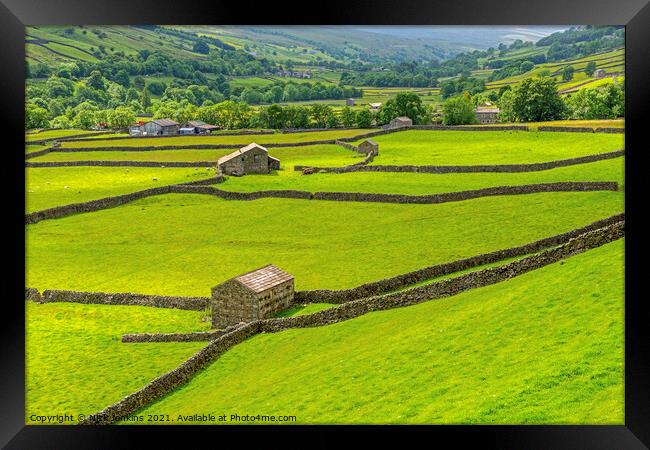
[
  {"x": 165, "y": 122},
  {"x": 240, "y": 152},
  {"x": 264, "y": 278}
]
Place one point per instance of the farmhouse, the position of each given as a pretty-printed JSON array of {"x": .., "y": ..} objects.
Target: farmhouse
[
  {"x": 255, "y": 295},
  {"x": 368, "y": 146},
  {"x": 399, "y": 122},
  {"x": 161, "y": 127},
  {"x": 199, "y": 127},
  {"x": 487, "y": 114},
  {"x": 599, "y": 73},
  {"x": 250, "y": 159},
  {"x": 349, "y": 102}
]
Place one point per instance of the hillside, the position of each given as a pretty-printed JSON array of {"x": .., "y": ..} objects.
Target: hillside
[{"x": 544, "y": 347}]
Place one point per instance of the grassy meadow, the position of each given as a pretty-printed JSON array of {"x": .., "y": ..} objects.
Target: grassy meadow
[
  {"x": 422, "y": 183},
  {"x": 546, "y": 347},
  {"x": 76, "y": 362},
  {"x": 48, "y": 187},
  {"x": 244, "y": 139},
  {"x": 317, "y": 155},
  {"x": 183, "y": 244},
  {"x": 495, "y": 147}
]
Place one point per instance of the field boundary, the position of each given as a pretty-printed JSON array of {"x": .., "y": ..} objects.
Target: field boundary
[
  {"x": 171, "y": 380},
  {"x": 501, "y": 168},
  {"x": 373, "y": 288},
  {"x": 203, "y": 187}
]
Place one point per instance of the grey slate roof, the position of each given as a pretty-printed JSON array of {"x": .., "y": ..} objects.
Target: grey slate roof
[
  {"x": 165, "y": 122},
  {"x": 264, "y": 278},
  {"x": 240, "y": 152}
]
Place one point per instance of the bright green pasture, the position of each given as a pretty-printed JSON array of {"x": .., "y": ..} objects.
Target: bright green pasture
[
  {"x": 314, "y": 155},
  {"x": 183, "y": 244},
  {"x": 546, "y": 347},
  {"x": 53, "y": 134},
  {"x": 54, "y": 186},
  {"x": 30, "y": 148},
  {"x": 422, "y": 183},
  {"x": 494, "y": 147},
  {"x": 76, "y": 363},
  {"x": 217, "y": 139}
]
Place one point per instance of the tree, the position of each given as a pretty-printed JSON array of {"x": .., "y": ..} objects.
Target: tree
[
  {"x": 458, "y": 111},
  {"x": 275, "y": 116},
  {"x": 321, "y": 115},
  {"x": 146, "y": 100},
  {"x": 251, "y": 96},
  {"x": 363, "y": 118},
  {"x": 534, "y": 100},
  {"x": 60, "y": 122},
  {"x": 122, "y": 78},
  {"x": 35, "y": 117},
  {"x": 590, "y": 68},
  {"x": 201, "y": 47},
  {"x": 156, "y": 87},
  {"x": 347, "y": 117},
  {"x": 602, "y": 103},
  {"x": 406, "y": 104},
  {"x": 95, "y": 80},
  {"x": 567, "y": 73},
  {"x": 121, "y": 117},
  {"x": 526, "y": 66}
]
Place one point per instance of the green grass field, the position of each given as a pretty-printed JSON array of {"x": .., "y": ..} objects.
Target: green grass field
[
  {"x": 498, "y": 147},
  {"x": 54, "y": 134},
  {"x": 422, "y": 183},
  {"x": 76, "y": 362},
  {"x": 545, "y": 347},
  {"x": 183, "y": 244},
  {"x": 48, "y": 187},
  {"x": 242, "y": 139},
  {"x": 315, "y": 155}
]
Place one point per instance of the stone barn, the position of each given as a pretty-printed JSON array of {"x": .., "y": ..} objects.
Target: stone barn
[
  {"x": 401, "y": 122},
  {"x": 161, "y": 127},
  {"x": 255, "y": 295},
  {"x": 487, "y": 114},
  {"x": 199, "y": 127},
  {"x": 600, "y": 73},
  {"x": 368, "y": 146},
  {"x": 250, "y": 159},
  {"x": 349, "y": 102}
]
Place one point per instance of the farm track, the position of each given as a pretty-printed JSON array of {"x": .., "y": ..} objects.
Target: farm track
[{"x": 181, "y": 375}]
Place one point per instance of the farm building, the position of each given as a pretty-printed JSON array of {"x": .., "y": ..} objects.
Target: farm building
[
  {"x": 374, "y": 107},
  {"x": 255, "y": 295},
  {"x": 199, "y": 127},
  {"x": 250, "y": 159},
  {"x": 349, "y": 102},
  {"x": 368, "y": 146},
  {"x": 399, "y": 122},
  {"x": 487, "y": 114},
  {"x": 161, "y": 127},
  {"x": 599, "y": 73}
]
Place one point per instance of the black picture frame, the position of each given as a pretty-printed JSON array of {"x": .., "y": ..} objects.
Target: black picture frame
[{"x": 634, "y": 14}]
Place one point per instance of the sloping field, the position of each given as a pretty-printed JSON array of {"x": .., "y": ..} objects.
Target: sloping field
[
  {"x": 494, "y": 147},
  {"x": 544, "y": 347},
  {"x": 318, "y": 155},
  {"x": 76, "y": 363},
  {"x": 239, "y": 139},
  {"x": 183, "y": 244},
  {"x": 423, "y": 183},
  {"x": 54, "y": 134},
  {"x": 49, "y": 187}
]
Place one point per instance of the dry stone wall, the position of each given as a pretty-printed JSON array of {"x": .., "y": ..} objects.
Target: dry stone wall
[
  {"x": 169, "y": 381},
  {"x": 438, "y": 270},
  {"x": 505, "y": 168},
  {"x": 170, "y": 164},
  {"x": 103, "y": 298},
  {"x": 197, "y": 336}
]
